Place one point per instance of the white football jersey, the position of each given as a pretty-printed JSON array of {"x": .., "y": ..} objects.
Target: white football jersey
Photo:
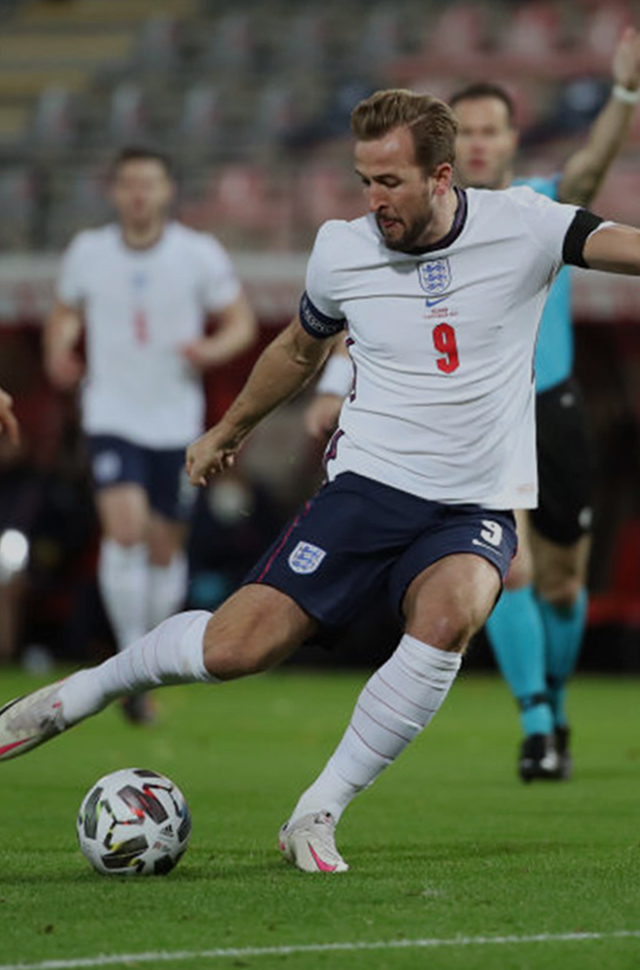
[
  {"x": 139, "y": 306},
  {"x": 442, "y": 344}
]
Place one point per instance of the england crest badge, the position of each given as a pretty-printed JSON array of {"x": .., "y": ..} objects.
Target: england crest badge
[
  {"x": 306, "y": 558},
  {"x": 435, "y": 276}
]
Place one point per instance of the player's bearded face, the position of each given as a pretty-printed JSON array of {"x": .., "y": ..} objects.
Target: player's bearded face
[
  {"x": 398, "y": 194},
  {"x": 405, "y": 226}
]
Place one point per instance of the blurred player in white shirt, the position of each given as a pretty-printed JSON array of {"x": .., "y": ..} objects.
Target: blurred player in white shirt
[{"x": 145, "y": 288}]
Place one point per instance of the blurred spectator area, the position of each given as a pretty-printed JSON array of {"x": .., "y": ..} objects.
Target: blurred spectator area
[
  {"x": 253, "y": 99},
  {"x": 253, "y": 102}
]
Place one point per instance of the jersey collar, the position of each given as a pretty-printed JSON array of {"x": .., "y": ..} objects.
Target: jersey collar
[{"x": 459, "y": 221}]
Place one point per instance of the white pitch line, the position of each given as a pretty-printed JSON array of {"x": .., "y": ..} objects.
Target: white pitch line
[{"x": 105, "y": 960}]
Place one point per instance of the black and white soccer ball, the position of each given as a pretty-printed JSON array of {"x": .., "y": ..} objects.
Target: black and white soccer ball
[{"x": 134, "y": 822}]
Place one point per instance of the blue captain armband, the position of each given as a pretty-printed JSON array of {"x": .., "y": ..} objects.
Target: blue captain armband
[{"x": 316, "y": 323}]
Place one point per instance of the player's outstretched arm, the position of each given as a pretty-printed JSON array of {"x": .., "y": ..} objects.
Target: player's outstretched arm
[
  {"x": 585, "y": 171},
  {"x": 236, "y": 331},
  {"x": 614, "y": 249},
  {"x": 283, "y": 368},
  {"x": 62, "y": 362},
  {"x": 8, "y": 420}
]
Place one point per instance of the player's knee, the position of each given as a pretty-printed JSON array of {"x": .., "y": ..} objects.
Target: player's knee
[
  {"x": 126, "y": 534},
  {"x": 562, "y": 591},
  {"x": 451, "y": 630},
  {"x": 237, "y": 644}
]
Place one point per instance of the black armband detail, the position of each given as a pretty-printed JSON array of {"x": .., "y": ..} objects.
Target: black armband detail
[
  {"x": 584, "y": 222},
  {"x": 316, "y": 323}
]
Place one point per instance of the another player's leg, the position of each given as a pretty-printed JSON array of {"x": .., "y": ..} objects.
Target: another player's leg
[
  {"x": 124, "y": 573},
  {"x": 255, "y": 629},
  {"x": 563, "y": 603},
  {"x": 516, "y": 633},
  {"x": 560, "y": 541},
  {"x": 444, "y": 605}
]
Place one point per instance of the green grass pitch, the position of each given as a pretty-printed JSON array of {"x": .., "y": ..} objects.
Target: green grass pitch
[{"x": 454, "y": 862}]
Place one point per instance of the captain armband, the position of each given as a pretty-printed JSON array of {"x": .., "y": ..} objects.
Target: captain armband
[
  {"x": 316, "y": 323},
  {"x": 584, "y": 223}
]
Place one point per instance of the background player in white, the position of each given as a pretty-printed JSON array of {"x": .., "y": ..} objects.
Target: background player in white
[
  {"x": 537, "y": 628},
  {"x": 145, "y": 287},
  {"x": 437, "y": 446}
]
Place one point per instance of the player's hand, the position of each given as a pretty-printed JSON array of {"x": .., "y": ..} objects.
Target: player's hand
[
  {"x": 8, "y": 420},
  {"x": 208, "y": 455},
  {"x": 65, "y": 370},
  {"x": 321, "y": 417},
  {"x": 626, "y": 59}
]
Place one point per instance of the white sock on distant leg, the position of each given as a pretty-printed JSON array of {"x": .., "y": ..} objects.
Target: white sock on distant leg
[
  {"x": 167, "y": 589},
  {"x": 397, "y": 702},
  {"x": 123, "y": 578},
  {"x": 170, "y": 654}
]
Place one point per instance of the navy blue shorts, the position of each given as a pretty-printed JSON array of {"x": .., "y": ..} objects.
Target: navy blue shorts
[
  {"x": 358, "y": 539},
  {"x": 159, "y": 471}
]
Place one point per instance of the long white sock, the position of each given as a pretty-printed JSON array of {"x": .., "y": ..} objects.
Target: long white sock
[
  {"x": 123, "y": 578},
  {"x": 167, "y": 589},
  {"x": 397, "y": 702},
  {"x": 170, "y": 654}
]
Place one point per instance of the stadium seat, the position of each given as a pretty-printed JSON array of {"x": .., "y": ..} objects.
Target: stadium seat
[
  {"x": 457, "y": 32},
  {"x": 532, "y": 33},
  {"x": 231, "y": 43},
  {"x": 127, "y": 119},
  {"x": 378, "y": 40},
  {"x": 17, "y": 202},
  {"x": 54, "y": 120}
]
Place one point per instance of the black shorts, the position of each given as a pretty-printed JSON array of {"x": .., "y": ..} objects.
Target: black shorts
[
  {"x": 358, "y": 541},
  {"x": 159, "y": 471},
  {"x": 565, "y": 465}
]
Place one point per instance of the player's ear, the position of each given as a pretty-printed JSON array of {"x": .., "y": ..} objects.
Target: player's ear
[{"x": 443, "y": 177}]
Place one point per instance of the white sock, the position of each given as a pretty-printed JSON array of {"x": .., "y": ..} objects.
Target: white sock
[
  {"x": 170, "y": 654},
  {"x": 123, "y": 578},
  {"x": 167, "y": 589},
  {"x": 397, "y": 702}
]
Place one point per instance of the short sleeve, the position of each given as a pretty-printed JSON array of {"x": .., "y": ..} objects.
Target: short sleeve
[
  {"x": 221, "y": 285},
  {"x": 320, "y": 312},
  {"x": 70, "y": 287},
  {"x": 547, "y": 222}
]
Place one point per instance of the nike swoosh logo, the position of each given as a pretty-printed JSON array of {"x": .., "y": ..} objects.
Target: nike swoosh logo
[
  {"x": 476, "y": 542},
  {"x": 321, "y": 864},
  {"x": 434, "y": 300},
  {"x": 9, "y": 747}
]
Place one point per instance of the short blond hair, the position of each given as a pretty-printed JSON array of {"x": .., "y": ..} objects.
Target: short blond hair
[{"x": 431, "y": 122}]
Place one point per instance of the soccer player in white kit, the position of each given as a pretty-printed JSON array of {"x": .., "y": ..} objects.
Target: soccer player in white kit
[
  {"x": 144, "y": 288},
  {"x": 441, "y": 292}
]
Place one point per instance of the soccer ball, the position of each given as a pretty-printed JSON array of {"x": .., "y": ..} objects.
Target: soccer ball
[{"x": 134, "y": 822}]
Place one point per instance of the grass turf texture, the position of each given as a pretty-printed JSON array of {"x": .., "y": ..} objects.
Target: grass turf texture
[{"x": 447, "y": 844}]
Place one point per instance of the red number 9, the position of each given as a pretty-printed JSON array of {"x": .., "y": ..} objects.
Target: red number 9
[{"x": 444, "y": 340}]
